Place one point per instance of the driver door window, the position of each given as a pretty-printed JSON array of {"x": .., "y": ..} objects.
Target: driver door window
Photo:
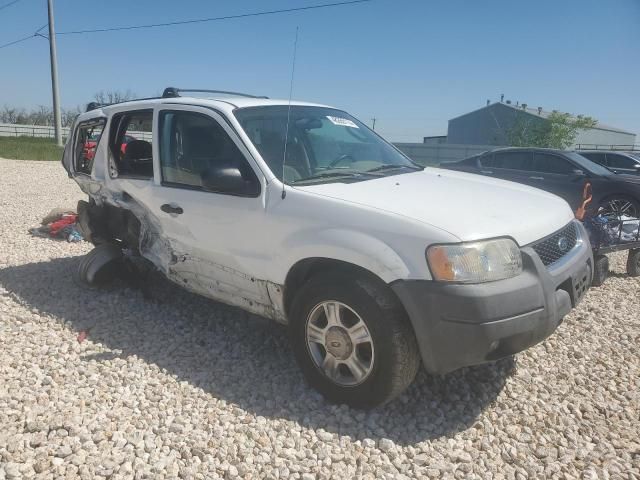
[
  {"x": 193, "y": 145},
  {"x": 546, "y": 163},
  {"x": 620, "y": 161}
]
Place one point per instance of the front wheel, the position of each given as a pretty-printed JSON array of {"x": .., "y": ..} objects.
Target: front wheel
[
  {"x": 619, "y": 206},
  {"x": 353, "y": 340}
]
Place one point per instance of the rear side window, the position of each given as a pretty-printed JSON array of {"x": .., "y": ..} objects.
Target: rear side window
[
  {"x": 87, "y": 138},
  {"x": 131, "y": 137},
  {"x": 547, "y": 163}
]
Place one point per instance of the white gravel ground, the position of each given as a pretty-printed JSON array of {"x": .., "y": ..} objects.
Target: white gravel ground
[{"x": 183, "y": 387}]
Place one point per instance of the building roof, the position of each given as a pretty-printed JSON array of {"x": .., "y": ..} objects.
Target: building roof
[{"x": 544, "y": 114}]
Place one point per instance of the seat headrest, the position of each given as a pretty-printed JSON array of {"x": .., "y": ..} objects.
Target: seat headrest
[{"x": 137, "y": 149}]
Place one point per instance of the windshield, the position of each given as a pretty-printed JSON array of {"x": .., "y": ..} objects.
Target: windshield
[
  {"x": 588, "y": 165},
  {"x": 323, "y": 144}
]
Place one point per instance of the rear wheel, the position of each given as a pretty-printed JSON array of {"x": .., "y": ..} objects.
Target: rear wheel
[{"x": 352, "y": 339}]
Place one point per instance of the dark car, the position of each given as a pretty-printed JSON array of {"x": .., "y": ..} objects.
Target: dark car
[
  {"x": 619, "y": 162},
  {"x": 560, "y": 172}
]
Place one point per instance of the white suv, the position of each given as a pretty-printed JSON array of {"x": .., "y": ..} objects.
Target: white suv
[{"x": 300, "y": 213}]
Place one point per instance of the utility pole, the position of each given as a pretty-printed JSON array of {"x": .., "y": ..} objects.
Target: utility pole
[
  {"x": 374, "y": 123},
  {"x": 54, "y": 75}
]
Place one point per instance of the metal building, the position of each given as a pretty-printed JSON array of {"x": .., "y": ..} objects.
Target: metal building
[{"x": 490, "y": 125}]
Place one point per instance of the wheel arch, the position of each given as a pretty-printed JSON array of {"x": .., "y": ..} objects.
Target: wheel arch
[{"x": 306, "y": 268}]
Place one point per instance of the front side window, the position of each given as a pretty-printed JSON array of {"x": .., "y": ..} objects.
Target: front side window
[
  {"x": 88, "y": 136},
  {"x": 512, "y": 160},
  {"x": 620, "y": 161},
  {"x": 595, "y": 157},
  {"x": 321, "y": 144},
  {"x": 196, "y": 152},
  {"x": 546, "y": 163}
]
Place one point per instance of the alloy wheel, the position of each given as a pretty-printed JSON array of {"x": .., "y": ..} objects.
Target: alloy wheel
[
  {"x": 340, "y": 343},
  {"x": 617, "y": 207}
]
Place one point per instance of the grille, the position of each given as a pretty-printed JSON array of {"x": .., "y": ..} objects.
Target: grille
[{"x": 553, "y": 248}]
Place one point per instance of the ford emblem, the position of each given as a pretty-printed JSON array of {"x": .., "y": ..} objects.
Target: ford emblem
[{"x": 563, "y": 244}]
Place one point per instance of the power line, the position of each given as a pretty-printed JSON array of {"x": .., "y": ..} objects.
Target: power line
[
  {"x": 18, "y": 41},
  {"x": 185, "y": 22},
  {"x": 8, "y": 4},
  {"x": 215, "y": 19}
]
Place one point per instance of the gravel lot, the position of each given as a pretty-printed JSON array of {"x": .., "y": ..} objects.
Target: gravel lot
[{"x": 179, "y": 386}]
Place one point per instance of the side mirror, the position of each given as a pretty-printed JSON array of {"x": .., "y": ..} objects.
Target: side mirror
[
  {"x": 223, "y": 179},
  {"x": 637, "y": 166}
]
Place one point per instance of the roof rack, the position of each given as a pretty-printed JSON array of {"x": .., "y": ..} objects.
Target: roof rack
[
  {"x": 95, "y": 105},
  {"x": 172, "y": 92}
]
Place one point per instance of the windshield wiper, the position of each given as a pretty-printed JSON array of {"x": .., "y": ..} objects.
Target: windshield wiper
[
  {"x": 391, "y": 166},
  {"x": 330, "y": 175}
]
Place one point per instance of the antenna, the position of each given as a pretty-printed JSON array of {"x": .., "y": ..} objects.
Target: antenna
[{"x": 286, "y": 135}]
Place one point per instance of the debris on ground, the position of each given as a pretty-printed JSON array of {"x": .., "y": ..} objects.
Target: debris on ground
[{"x": 61, "y": 224}]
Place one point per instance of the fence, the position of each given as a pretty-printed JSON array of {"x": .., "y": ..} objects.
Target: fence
[
  {"x": 428, "y": 154},
  {"x": 46, "y": 131},
  {"x": 597, "y": 146},
  {"x": 40, "y": 131}
]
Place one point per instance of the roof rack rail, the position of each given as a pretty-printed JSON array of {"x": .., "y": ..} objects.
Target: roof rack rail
[
  {"x": 172, "y": 92},
  {"x": 96, "y": 105}
]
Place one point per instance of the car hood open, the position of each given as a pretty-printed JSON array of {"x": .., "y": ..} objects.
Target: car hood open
[{"x": 469, "y": 206}]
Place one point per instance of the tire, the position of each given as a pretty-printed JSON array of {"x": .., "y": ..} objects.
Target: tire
[
  {"x": 617, "y": 205},
  {"x": 390, "y": 359},
  {"x": 100, "y": 267},
  {"x": 600, "y": 270},
  {"x": 633, "y": 262}
]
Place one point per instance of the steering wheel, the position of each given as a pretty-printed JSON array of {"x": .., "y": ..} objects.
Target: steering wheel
[{"x": 335, "y": 162}]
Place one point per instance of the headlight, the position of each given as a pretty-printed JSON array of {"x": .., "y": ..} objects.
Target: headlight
[{"x": 475, "y": 262}]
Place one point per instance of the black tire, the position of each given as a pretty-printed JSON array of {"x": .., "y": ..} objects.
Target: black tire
[
  {"x": 615, "y": 204},
  {"x": 101, "y": 267},
  {"x": 600, "y": 270},
  {"x": 396, "y": 360},
  {"x": 633, "y": 262}
]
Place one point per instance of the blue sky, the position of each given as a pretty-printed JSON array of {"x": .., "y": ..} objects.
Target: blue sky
[{"x": 412, "y": 64}]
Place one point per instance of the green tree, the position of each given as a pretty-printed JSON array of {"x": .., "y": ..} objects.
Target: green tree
[{"x": 557, "y": 130}]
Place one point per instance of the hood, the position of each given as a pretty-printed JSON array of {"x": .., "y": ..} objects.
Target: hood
[{"x": 470, "y": 207}]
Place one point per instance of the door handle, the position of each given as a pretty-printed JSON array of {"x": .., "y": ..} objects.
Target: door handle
[
  {"x": 536, "y": 178},
  {"x": 171, "y": 209},
  {"x": 486, "y": 172}
]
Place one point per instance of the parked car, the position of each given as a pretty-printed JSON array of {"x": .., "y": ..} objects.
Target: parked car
[
  {"x": 304, "y": 215},
  {"x": 560, "y": 172},
  {"x": 619, "y": 162}
]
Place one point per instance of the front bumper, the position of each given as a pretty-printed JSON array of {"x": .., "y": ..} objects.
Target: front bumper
[{"x": 458, "y": 325}]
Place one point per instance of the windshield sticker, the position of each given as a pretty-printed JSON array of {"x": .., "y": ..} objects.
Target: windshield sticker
[{"x": 342, "y": 122}]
